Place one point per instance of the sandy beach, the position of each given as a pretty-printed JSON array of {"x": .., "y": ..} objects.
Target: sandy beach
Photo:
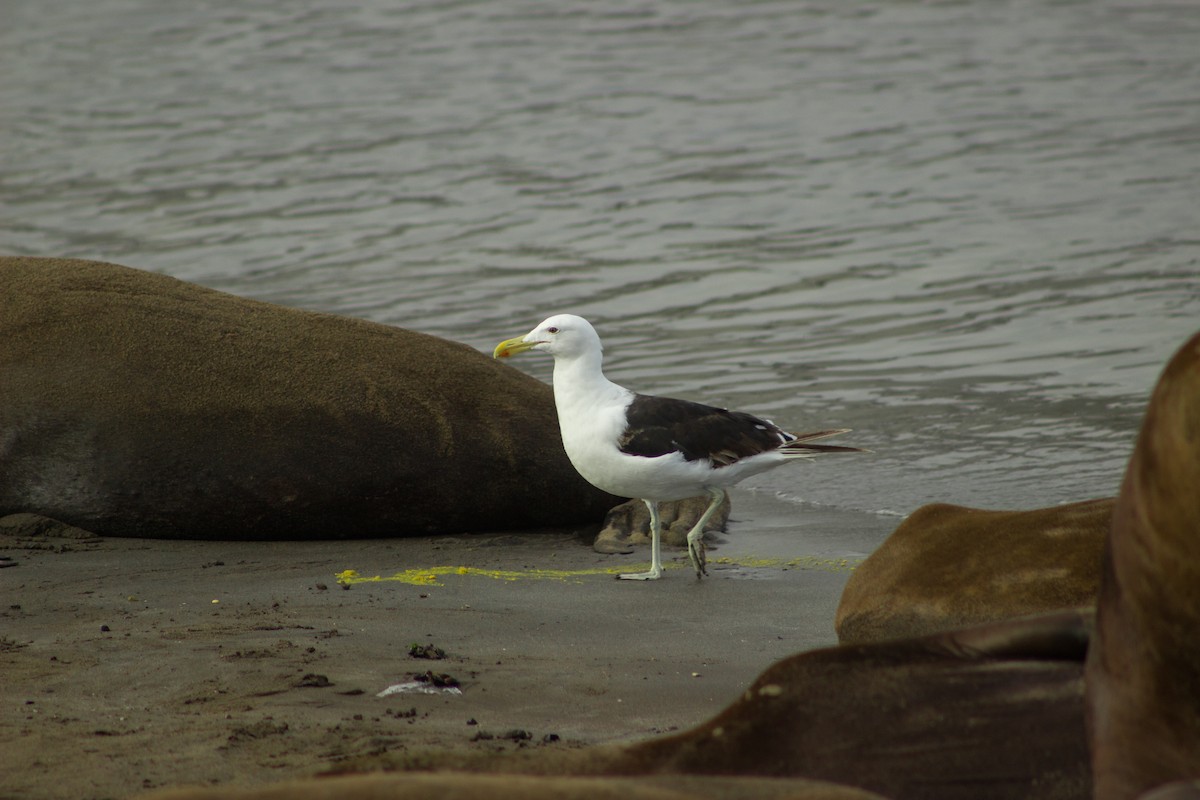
[{"x": 136, "y": 664}]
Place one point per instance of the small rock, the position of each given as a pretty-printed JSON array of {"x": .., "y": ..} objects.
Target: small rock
[
  {"x": 430, "y": 651},
  {"x": 314, "y": 680},
  {"x": 517, "y": 735},
  {"x": 441, "y": 681}
]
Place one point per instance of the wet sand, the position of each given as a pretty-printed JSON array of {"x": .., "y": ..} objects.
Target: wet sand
[{"x": 136, "y": 664}]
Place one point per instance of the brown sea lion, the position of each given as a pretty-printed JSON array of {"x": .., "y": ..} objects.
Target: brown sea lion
[
  {"x": 1143, "y": 670},
  {"x": 135, "y": 404},
  {"x": 628, "y": 524},
  {"x": 1180, "y": 790},
  {"x": 948, "y": 567},
  {"x": 994, "y": 711},
  {"x": 451, "y": 786}
]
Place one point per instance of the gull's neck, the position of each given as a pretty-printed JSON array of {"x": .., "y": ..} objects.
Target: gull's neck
[{"x": 580, "y": 385}]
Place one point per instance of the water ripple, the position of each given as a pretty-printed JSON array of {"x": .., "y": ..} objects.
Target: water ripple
[{"x": 965, "y": 230}]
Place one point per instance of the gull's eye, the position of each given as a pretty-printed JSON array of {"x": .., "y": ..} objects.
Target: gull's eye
[{"x": 552, "y": 330}]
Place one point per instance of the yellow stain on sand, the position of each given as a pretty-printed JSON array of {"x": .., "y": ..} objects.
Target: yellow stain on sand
[{"x": 429, "y": 576}]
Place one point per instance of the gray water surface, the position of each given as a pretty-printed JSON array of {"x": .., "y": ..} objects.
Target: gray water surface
[{"x": 968, "y": 230}]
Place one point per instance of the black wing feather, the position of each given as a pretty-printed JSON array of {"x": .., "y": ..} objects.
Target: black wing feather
[{"x": 661, "y": 425}]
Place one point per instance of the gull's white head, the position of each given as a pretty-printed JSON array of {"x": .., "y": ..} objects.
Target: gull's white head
[{"x": 562, "y": 336}]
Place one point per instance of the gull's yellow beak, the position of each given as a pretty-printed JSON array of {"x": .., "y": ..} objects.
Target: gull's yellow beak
[{"x": 510, "y": 347}]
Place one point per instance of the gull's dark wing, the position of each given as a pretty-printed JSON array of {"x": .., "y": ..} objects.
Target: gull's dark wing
[{"x": 661, "y": 425}]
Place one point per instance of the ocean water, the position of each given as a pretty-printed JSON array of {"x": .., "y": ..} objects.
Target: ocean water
[{"x": 967, "y": 230}]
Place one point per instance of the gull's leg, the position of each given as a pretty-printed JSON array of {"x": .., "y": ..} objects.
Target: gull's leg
[
  {"x": 695, "y": 537},
  {"x": 655, "y": 548}
]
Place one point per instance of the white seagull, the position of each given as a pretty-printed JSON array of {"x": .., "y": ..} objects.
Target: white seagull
[{"x": 654, "y": 448}]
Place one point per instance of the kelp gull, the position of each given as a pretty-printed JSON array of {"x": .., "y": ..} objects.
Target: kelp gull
[{"x": 654, "y": 448}]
